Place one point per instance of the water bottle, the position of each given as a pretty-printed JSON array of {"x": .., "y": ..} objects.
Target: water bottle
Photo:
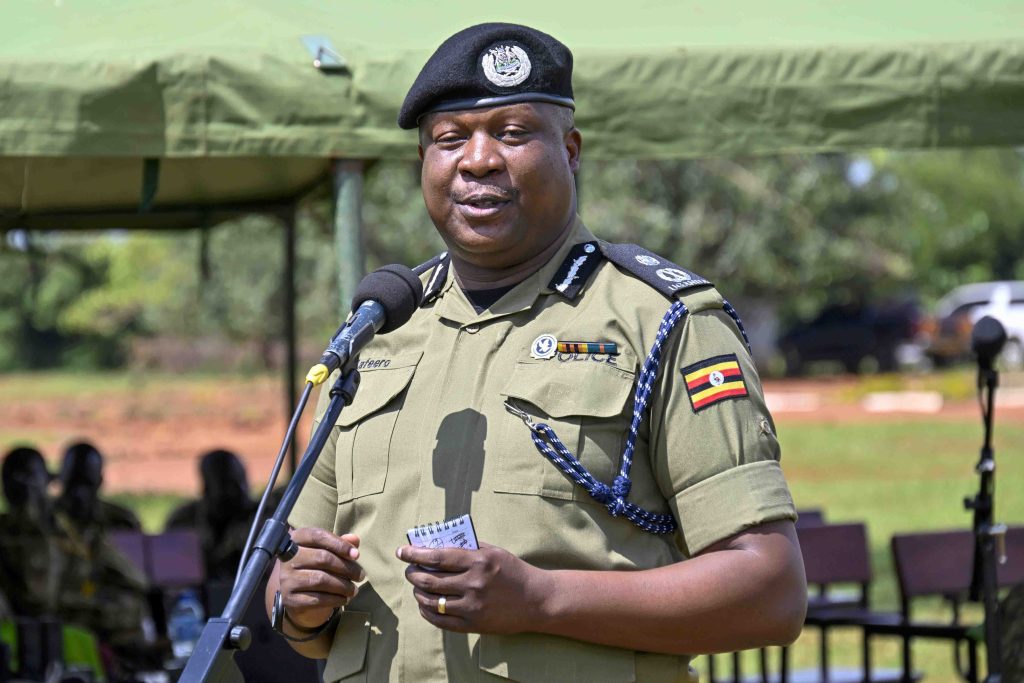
[{"x": 185, "y": 623}]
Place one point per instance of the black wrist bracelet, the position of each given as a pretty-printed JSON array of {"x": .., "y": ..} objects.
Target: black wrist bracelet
[{"x": 278, "y": 616}]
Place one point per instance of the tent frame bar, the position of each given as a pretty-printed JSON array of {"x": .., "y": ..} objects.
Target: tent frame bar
[{"x": 180, "y": 217}]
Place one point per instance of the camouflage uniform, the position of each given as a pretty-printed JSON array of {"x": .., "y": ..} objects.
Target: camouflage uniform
[
  {"x": 31, "y": 563},
  {"x": 114, "y": 517},
  {"x": 100, "y": 587}
]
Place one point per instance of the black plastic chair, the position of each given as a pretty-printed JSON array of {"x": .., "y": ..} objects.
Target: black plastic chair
[
  {"x": 836, "y": 555},
  {"x": 940, "y": 564}
]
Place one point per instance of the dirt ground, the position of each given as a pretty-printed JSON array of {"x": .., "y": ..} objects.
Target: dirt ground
[{"x": 152, "y": 437}]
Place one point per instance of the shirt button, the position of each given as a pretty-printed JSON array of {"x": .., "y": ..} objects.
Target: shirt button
[{"x": 472, "y": 329}]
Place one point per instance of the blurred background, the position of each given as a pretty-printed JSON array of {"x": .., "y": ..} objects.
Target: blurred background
[{"x": 189, "y": 189}]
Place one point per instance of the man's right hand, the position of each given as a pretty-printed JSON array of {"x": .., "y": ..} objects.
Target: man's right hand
[{"x": 320, "y": 577}]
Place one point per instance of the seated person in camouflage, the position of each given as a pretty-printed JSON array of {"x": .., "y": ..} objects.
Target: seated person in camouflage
[
  {"x": 223, "y": 515},
  {"x": 30, "y": 557},
  {"x": 101, "y": 589},
  {"x": 81, "y": 476}
]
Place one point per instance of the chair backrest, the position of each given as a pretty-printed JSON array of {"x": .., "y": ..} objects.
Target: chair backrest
[
  {"x": 175, "y": 559},
  {"x": 941, "y": 562},
  {"x": 933, "y": 563},
  {"x": 810, "y": 517},
  {"x": 1012, "y": 573},
  {"x": 132, "y": 545},
  {"x": 835, "y": 553}
]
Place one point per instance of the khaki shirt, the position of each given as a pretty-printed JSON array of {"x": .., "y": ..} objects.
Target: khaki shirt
[{"x": 428, "y": 437}]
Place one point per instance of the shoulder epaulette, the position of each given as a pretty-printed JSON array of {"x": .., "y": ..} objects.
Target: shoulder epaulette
[
  {"x": 660, "y": 273},
  {"x": 427, "y": 265},
  {"x": 438, "y": 274}
]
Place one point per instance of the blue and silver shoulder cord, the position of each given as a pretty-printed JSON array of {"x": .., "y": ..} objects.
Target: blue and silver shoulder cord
[{"x": 614, "y": 497}]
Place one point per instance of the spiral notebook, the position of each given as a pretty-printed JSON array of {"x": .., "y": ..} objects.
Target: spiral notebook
[{"x": 456, "y": 532}]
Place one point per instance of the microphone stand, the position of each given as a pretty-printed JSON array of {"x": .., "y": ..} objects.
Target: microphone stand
[
  {"x": 213, "y": 658},
  {"x": 989, "y": 537}
]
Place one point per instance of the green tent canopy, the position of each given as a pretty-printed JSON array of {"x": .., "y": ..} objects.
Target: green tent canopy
[{"x": 224, "y": 101}]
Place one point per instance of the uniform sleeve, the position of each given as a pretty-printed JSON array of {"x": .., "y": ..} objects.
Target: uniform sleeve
[
  {"x": 317, "y": 505},
  {"x": 715, "y": 451}
]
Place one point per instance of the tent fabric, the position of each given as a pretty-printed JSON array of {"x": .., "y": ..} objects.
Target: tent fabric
[{"x": 226, "y": 96}]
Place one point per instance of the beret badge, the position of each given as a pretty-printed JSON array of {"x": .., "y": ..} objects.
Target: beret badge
[
  {"x": 506, "y": 66},
  {"x": 490, "y": 65}
]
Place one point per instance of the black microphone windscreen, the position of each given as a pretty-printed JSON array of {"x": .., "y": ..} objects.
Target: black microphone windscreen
[
  {"x": 396, "y": 288},
  {"x": 987, "y": 339}
]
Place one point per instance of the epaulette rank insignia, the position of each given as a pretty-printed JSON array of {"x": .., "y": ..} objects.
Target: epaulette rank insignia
[
  {"x": 438, "y": 267},
  {"x": 657, "y": 271},
  {"x": 581, "y": 262},
  {"x": 713, "y": 380}
]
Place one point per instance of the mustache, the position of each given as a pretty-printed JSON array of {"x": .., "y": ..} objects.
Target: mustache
[{"x": 499, "y": 194}]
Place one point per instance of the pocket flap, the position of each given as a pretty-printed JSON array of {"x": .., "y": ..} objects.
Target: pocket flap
[
  {"x": 551, "y": 659},
  {"x": 380, "y": 381},
  {"x": 348, "y": 651},
  {"x": 574, "y": 388}
]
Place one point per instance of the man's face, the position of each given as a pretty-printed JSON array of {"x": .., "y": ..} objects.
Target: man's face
[
  {"x": 498, "y": 183},
  {"x": 81, "y": 490},
  {"x": 29, "y": 488}
]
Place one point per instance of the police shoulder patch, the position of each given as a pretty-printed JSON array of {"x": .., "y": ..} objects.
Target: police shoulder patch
[
  {"x": 660, "y": 273},
  {"x": 714, "y": 380}
]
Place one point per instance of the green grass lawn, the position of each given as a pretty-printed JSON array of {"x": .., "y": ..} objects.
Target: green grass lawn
[
  {"x": 895, "y": 477},
  {"x": 152, "y": 509}
]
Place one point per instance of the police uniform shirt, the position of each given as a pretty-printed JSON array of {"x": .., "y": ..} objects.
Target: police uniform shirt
[{"x": 428, "y": 436}]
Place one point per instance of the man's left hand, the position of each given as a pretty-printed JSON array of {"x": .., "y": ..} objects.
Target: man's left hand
[{"x": 489, "y": 590}]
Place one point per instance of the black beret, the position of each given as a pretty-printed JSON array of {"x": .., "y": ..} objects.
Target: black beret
[{"x": 490, "y": 65}]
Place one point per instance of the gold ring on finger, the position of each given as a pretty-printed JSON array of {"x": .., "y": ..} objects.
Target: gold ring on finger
[{"x": 442, "y": 604}]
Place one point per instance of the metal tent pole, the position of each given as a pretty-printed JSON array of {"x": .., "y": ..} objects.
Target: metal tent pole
[
  {"x": 348, "y": 228},
  {"x": 291, "y": 361}
]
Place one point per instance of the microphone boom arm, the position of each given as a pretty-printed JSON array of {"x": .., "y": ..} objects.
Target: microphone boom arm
[{"x": 213, "y": 657}]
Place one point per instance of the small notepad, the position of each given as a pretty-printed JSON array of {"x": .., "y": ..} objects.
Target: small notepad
[{"x": 456, "y": 532}]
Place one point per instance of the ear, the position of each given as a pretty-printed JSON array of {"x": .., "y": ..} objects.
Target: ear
[
  {"x": 419, "y": 150},
  {"x": 573, "y": 142}
]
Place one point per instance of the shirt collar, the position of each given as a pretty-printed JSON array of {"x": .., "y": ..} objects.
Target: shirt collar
[{"x": 453, "y": 305}]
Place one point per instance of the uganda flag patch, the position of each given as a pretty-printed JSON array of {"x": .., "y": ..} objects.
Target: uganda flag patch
[{"x": 713, "y": 380}]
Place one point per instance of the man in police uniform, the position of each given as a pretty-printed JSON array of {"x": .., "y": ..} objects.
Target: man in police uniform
[{"x": 670, "y": 536}]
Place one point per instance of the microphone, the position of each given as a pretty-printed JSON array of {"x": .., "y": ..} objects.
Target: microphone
[
  {"x": 987, "y": 341},
  {"x": 384, "y": 301}
]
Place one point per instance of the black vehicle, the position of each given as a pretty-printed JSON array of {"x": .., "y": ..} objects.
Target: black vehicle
[{"x": 851, "y": 333}]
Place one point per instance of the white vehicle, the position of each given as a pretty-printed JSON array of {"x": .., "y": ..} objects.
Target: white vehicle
[
  {"x": 1007, "y": 306},
  {"x": 958, "y": 311}
]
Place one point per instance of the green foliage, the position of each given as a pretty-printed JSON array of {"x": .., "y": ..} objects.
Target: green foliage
[
  {"x": 766, "y": 229},
  {"x": 43, "y": 278},
  {"x": 398, "y": 229},
  {"x": 963, "y": 213},
  {"x": 145, "y": 288},
  {"x": 152, "y": 509}
]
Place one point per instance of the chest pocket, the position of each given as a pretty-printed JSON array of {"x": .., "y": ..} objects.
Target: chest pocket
[
  {"x": 364, "y": 429},
  {"x": 588, "y": 404}
]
